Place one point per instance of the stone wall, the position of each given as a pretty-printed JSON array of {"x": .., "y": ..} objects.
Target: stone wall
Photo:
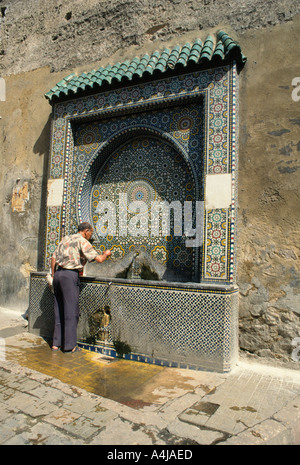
[
  {"x": 66, "y": 34},
  {"x": 41, "y": 42}
]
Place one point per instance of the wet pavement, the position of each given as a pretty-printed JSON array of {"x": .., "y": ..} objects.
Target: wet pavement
[{"x": 52, "y": 398}]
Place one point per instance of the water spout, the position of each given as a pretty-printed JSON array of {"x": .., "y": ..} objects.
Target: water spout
[
  {"x": 135, "y": 268},
  {"x": 135, "y": 265}
]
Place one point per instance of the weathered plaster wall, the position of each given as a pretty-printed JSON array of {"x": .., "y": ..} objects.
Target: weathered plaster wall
[
  {"x": 44, "y": 41},
  {"x": 24, "y": 135},
  {"x": 269, "y": 220}
]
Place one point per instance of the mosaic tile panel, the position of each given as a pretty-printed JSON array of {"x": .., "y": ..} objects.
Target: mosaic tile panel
[
  {"x": 148, "y": 168},
  {"x": 53, "y": 228},
  {"x": 216, "y": 244},
  {"x": 142, "y": 103}
]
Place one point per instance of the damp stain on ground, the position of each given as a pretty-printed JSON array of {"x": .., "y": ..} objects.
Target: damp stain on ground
[
  {"x": 247, "y": 408},
  {"x": 131, "y": 383}
]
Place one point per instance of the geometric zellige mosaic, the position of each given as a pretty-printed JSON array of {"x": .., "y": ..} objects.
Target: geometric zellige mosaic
[{"x": 184, "y": 326}]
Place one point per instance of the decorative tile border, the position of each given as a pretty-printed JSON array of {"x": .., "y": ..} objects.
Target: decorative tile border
[
  {"x": 111, "y": 352},
  {"x": 216, "y": 244}
]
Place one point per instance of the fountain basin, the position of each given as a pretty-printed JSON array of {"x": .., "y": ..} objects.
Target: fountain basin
[{"x": 186, "y": 325}]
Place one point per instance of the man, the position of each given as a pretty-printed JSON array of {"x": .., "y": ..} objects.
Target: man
[{"x": 67, "y": 262}]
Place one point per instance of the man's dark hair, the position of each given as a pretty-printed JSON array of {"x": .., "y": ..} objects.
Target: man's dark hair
[{"x": 83, "y": 226}]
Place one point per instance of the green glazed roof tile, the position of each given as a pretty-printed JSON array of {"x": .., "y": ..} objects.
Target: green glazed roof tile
[
  {"x": 231, "y": 48},
  {"x": 207, "y": 50},
  {"x": 195, "y": 51},
  {"x": 221, "y": 49},
  {"x": 184, "y": 55},
  {"x": 173, "y": 57}
]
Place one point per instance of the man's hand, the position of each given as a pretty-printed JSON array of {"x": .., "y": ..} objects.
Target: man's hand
[{"x": 103, "y": 257}]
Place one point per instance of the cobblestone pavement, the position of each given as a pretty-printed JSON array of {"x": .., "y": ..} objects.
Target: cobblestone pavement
[{"x": 53, "y": 399}]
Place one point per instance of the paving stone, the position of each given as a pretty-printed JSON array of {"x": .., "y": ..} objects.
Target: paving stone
[
  {"x": 7, "y": 394},
  {"x": 61, "y": 417},
  {"x": 28, "y": 385},
  {"x": 224, "y": 422},
  {"x": 4, "y": 376},
  {"x": 19, "y": 422},
  {"x": 46, "y": 434},
  {"x": 42, "y": 434},
  {"x": 37, "y": 408},
  {"x": 83, "y": 427},
  {"x": 101, "y": 417},
  {"x": 236, "y": 441},
  {"x": 201, "y": 436},
  {"x": 199, "y": 413},
  {"x": 15, "y": 382},
  {"x": 82, "y": 405},
  {"x": 51, "y": 394},
  {"x": 5, "y": 411},
  {"x": 6, "y": 433},
  {"x": 171, "y": 409},
  {"x": 269, "y": 432},
  {"x": 290, "y": 415},
  {"x": 19, "y": 400},
  {"x": 17, "y": 440},
  {"x": 120, "y": 432}
]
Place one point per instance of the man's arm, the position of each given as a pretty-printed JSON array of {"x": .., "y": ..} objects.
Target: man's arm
[
  {"x": 101, "y": 258},
  {"x": 53, "y": 263}
]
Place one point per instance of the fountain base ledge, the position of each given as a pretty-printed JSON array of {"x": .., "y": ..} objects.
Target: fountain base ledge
[{"x": 182, "y": 325}]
